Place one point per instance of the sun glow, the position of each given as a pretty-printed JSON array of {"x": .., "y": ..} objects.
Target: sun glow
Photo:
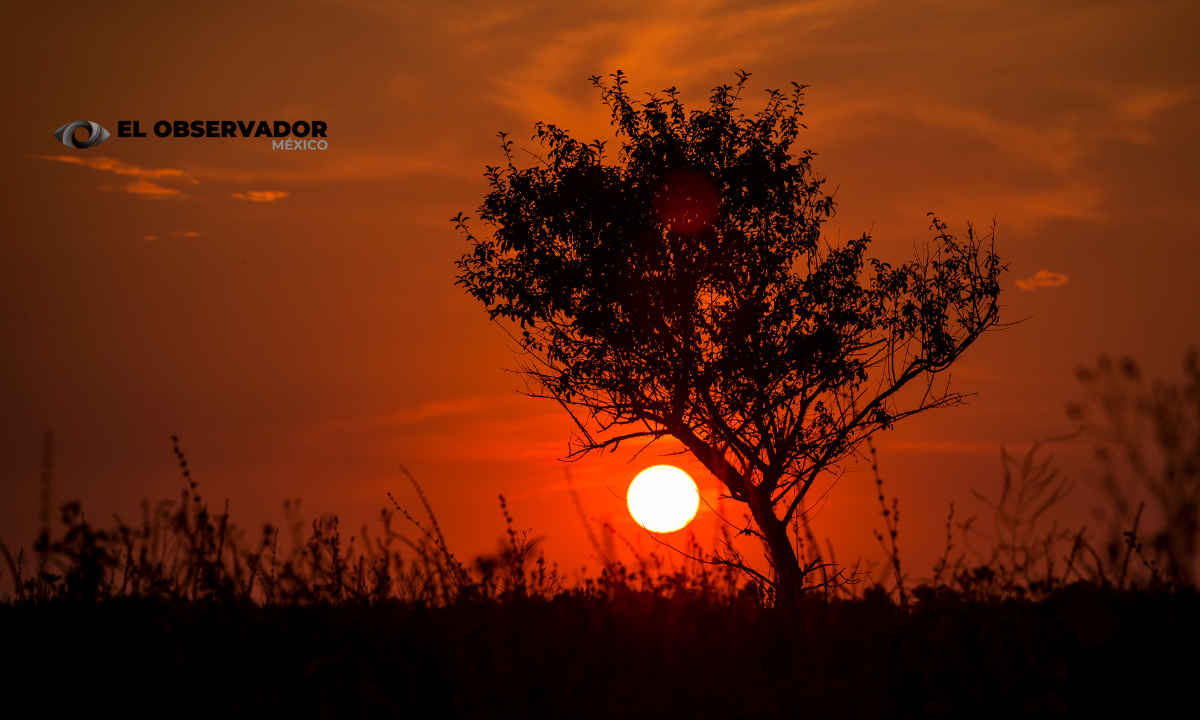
[{"x": 663, "y": 498}]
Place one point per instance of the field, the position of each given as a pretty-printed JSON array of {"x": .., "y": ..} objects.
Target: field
[
  {"x": 1082, "y": 650},
  {"x": 182, "y": 616}
]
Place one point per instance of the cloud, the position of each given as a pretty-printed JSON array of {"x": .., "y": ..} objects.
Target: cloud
[
  {"x": 1146, "y": 104},
  {"x": 177, "y": 233},
  {"x": 147, "y": 189},
  {"x": 143, "y": 186},
  {"x": 261, "y": 195},
  {"x": 476, "y": 405},
  {"x": 941, "y": 447},
  {"x": 113, "y": 165},
  {"x": 1044, "y": 278}
]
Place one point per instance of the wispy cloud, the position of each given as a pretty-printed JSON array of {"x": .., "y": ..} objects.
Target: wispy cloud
[
  {"x": 1044, "y": 278},
  {"x": 941, "y": 447},
  {"x": 261, "y": 195},
  {"x": 1145, "y": 104},
  {"x": 113, "y": 165},
  {"x": 434, "y": 410},
  {"x": 144, "y": 186},
  {"x": 177, "y": 233}
]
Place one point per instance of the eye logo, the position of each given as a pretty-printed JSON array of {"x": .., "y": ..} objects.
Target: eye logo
[{"x": 66, "y": 134}]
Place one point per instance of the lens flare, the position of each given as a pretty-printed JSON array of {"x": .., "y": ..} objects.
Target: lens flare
[{"x": 687, "y": 202}]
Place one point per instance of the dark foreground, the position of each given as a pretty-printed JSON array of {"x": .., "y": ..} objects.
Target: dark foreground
[{"x": 1083, "y": 651}]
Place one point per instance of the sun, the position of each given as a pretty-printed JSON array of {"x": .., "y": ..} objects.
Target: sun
[{"x": 663, "y": 498}]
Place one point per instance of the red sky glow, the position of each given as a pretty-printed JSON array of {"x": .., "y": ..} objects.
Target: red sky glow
[{"x": 292, "y": 315}]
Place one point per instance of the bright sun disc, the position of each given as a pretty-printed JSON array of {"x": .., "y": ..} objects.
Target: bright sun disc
[{"x": 663, "y": 498}]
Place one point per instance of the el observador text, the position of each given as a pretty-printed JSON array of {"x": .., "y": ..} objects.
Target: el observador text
[{"x": 225, "y": 128}]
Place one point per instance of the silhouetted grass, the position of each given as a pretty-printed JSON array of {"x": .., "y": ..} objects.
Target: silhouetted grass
[
  {"x": 1083, "y": 648},
  {"x": 186, "y": 615}
]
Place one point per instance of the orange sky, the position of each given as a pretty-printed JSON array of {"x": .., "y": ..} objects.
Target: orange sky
[{"x": 292, "y": 315}]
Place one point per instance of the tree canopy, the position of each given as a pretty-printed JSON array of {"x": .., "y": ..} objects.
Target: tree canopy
[{"x": 682, "y": 287}]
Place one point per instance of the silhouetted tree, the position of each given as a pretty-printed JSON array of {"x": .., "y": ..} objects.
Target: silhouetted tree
[{"x": 682, "y": 288}]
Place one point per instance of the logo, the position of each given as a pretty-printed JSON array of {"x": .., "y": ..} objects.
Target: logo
[
  {"x": 66, "y": 134},
  {"x": 298, "y": 135}
]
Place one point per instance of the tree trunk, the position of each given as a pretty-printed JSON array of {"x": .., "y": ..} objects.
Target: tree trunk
[{"x": 789, "y": 580}]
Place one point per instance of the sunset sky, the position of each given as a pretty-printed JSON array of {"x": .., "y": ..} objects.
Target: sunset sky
[{"x": 292, "y": 315}]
